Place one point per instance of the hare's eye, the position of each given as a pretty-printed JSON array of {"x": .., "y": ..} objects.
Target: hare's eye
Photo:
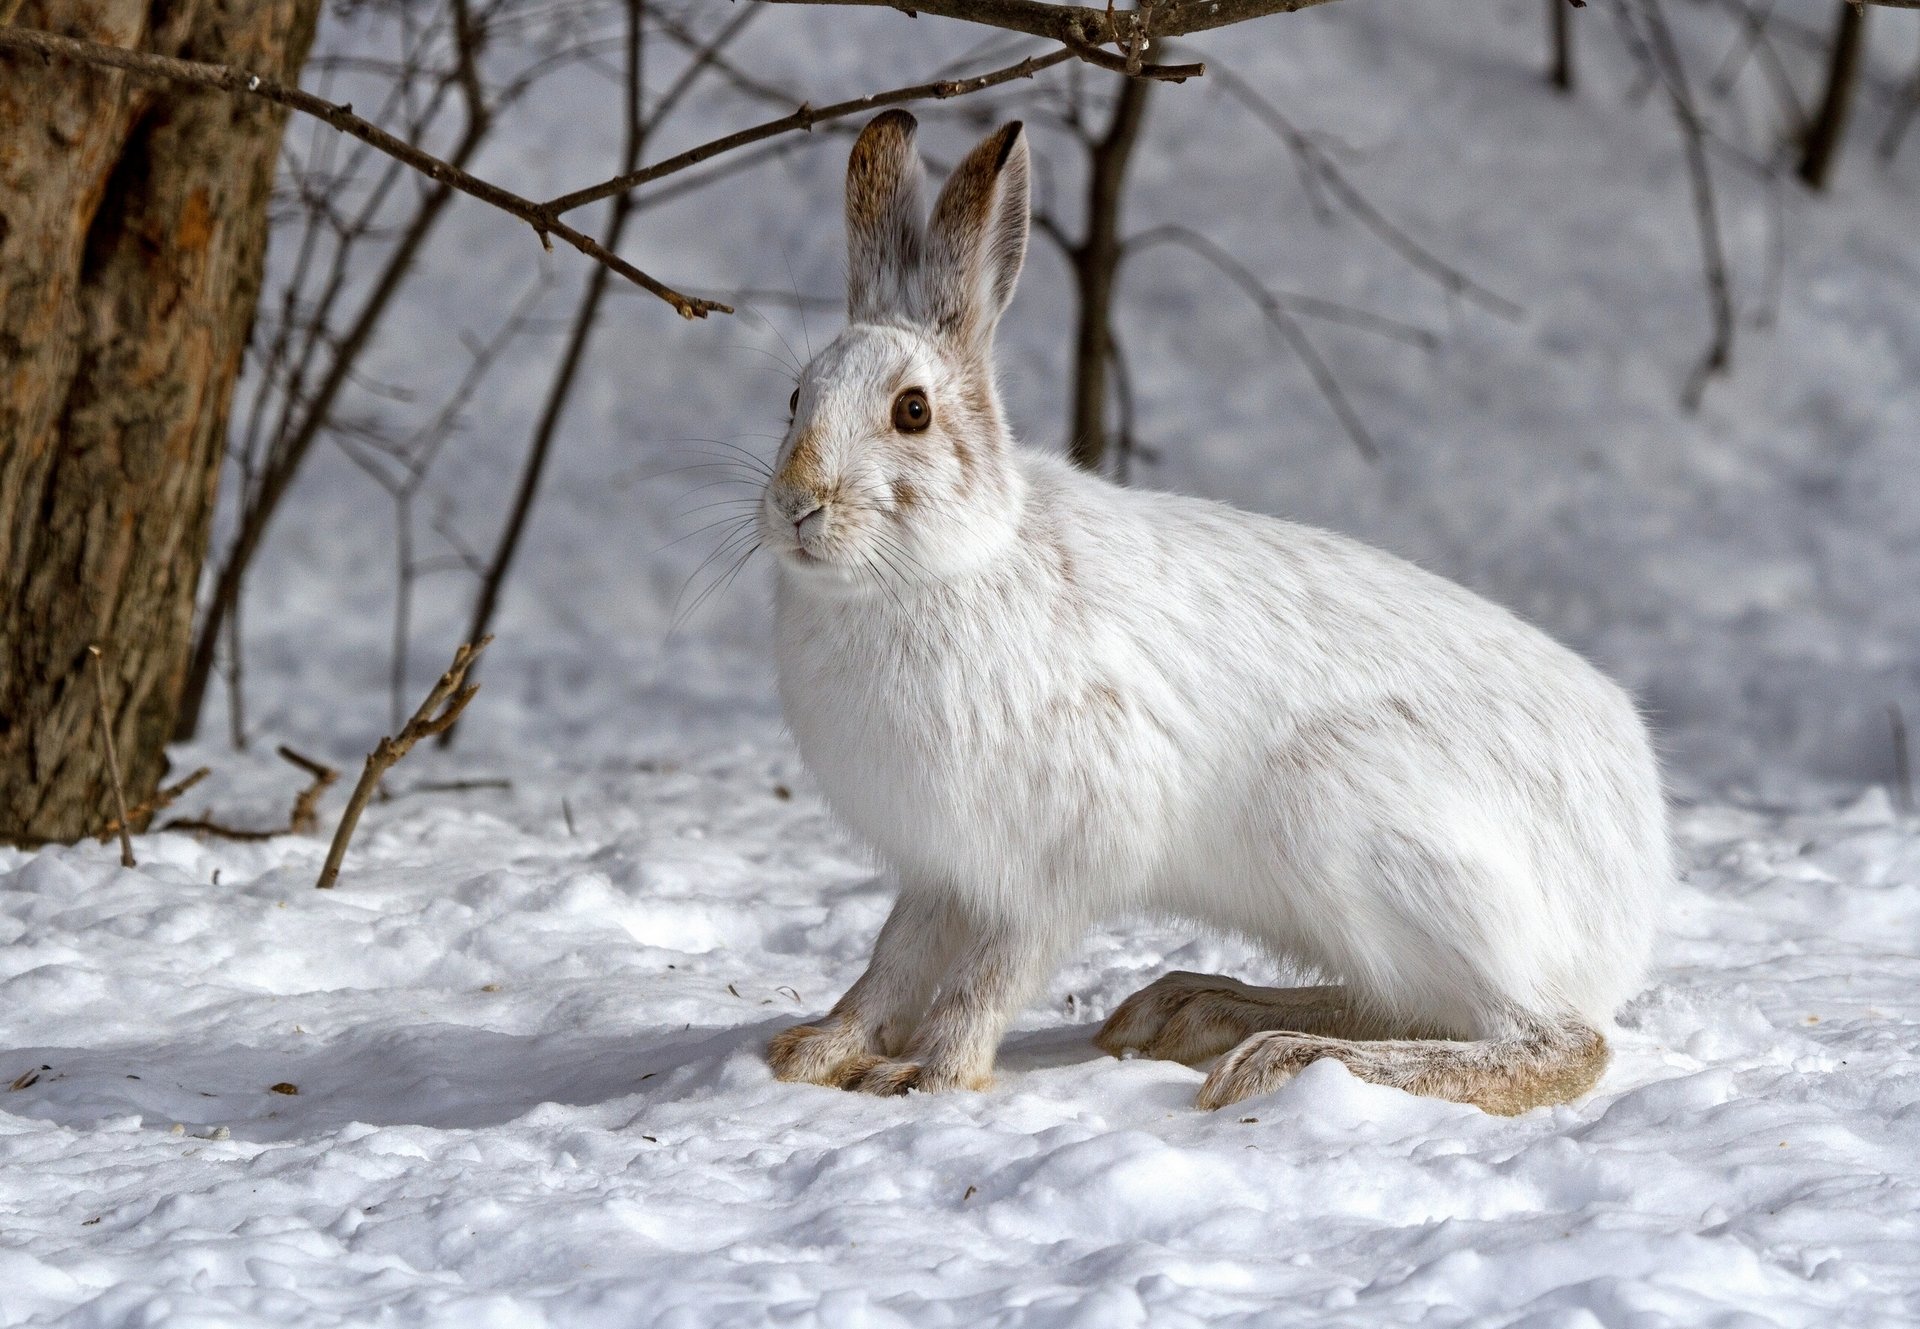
[
  {"x": 793, "y": 403},
  {"x": 911, "y": 412}
]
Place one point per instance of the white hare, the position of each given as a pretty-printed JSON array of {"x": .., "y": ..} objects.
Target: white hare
[{"x": 1046, "y": 701}]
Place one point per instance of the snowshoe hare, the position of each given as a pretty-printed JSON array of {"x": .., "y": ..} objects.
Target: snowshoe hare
[{"x": 1046, "y": 700}]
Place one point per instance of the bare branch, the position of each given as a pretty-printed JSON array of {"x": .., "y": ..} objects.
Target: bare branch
[
  {"x": 1087, "y": 24},
  {"x": 806, "y": 117},
  {"x": 1829, "y": 126},
  {"x": 113, "y": 757},
  {"x": 441, "y": 708},
  {"x": 161, "y": 799},
  {"x": 1665, "y": 54},
  {"x": 303, "y": 819},
  {"x": 1283, "y": 322},
  {"x": 1311, "y": 306},
  {"x": 544, "y": 219},
  {"x": 1096, "y": 268},
  {"x": 1319, "y": 164},
  {"x": 638, "y": 129},
  {"x": 1131, "y": 64}
]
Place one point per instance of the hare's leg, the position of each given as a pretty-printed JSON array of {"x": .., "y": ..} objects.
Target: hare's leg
[
  {"x": 877, "y": 1015},
  {"x": 1550, "y": 1063},
  {"x": 1192, "y": 1017},
  {"x": 991, "y": 977}
]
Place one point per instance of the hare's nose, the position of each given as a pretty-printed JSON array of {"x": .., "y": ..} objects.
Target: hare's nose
[{"x": 808, "y": 523}]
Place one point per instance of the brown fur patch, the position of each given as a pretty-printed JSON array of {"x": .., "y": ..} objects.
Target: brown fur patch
[
  {"x": 884, "y": 232},
  {"x": 965, "y": 239},
  {"x": 803, "y": 468},
  {"x": 873, "y": 168},
  {"x": 904, "y": 494}
]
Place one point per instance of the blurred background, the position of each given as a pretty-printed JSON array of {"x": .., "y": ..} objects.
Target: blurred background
[{"x": 1609, "y": 313}]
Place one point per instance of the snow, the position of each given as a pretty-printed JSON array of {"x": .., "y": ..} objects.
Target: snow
[
  {"x": 525, "y": 1031},
  {"x": 531, "y": 1092}
]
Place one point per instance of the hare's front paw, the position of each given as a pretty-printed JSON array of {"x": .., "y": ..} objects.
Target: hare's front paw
[
  {"x": 891, "y": 1078},
  {"x": 1177, "y": 1017},
  {"x": 834, "y": 1054}
]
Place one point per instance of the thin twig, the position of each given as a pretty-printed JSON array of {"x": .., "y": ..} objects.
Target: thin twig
[
  {"x": 208, "y": 826},
  {"x": 806, "y": 117},
  {"x": 1718, "y": 357},
  {"x": 1310, "y": 306},
  {"x": 452, "y": 787},
  {"x": 161, "y": 799},
  {"x": 586, "y": 317},
  {"x": 1318, "y": 163},
  {"x": 1061, "y": 22},
  {"x": 1902, "y": 758},
  {"x": 1274, "y": 309},
  {"x": 305, "y": 817},
  {"x": 542, "y": 217},
  {"x": 441, "y": 708},
  {"x": 1897, "y": 123},
  {"x": 1120, "y": 64},
  {"x": 113, "y": 757}
]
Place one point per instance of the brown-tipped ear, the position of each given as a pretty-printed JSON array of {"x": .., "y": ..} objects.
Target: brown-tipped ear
[
  {"x": 885, "y": 231},
  {"x": 979, "y": 237}
]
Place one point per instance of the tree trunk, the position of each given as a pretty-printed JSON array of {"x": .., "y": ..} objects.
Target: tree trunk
[
  {"x": 1829, "y": 125},
  {"x": 1096, "y": 261},
  {"x": 133, "y": 223}
]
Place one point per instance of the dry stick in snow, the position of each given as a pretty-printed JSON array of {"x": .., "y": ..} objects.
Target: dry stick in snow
[
  {"x": 305, "y": 817},
  {"x": 162, "y": 799},
  {"x": 1902, "y": 758},
  {"x": 113, "y": 757},
  {"x": 441, "y": 708},
  {"x": 302, "y": 820}
]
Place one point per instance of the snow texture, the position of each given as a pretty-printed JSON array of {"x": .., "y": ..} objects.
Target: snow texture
[
  {"x": 531, "y": 1092},
  {"x": 526, "y": 1030}
]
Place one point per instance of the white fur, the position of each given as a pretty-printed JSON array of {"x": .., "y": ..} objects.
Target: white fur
[{"x": 1048, "y": 701}]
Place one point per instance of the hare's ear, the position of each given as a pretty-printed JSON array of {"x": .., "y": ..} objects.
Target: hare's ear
[
  {"x": 979, "y": 238},
  {"x": 885, "y": 230}
]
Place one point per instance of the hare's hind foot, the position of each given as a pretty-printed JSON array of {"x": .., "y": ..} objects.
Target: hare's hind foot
[
  {"x": 1194, "y": 1017},
  {"x": 1505, "y": 1076}
]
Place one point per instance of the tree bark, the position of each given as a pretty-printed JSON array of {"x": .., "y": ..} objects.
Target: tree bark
[
  {"x": 133, "y": 224},
  {"x": 1096, "y": 262}
]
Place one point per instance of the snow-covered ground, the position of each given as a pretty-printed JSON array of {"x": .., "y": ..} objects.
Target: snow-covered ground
[
  {"x": 525, "y": 1031},
  {"x": 531, "y": 1092}
]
